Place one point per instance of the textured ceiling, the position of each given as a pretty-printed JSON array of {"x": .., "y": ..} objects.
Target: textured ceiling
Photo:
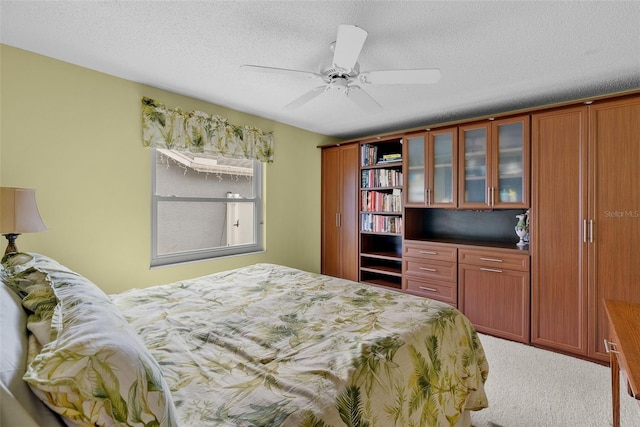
[{"x": 493, "y": 56}]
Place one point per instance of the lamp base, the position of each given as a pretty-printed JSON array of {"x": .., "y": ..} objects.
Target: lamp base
[{"x": 11, "y": 247}]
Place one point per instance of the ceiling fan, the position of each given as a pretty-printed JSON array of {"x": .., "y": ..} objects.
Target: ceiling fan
[{"x": 345, "y": 76}]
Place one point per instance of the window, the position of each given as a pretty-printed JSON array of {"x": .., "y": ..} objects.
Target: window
[{"x": 204, "y": 207}]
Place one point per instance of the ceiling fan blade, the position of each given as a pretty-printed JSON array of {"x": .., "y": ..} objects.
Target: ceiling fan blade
[
  {"x": 299, "y": 102},
  {"x": 391, "y": 77},
  {"x": 274, "y": 70},
  {"x": 363, "y": 99},
  {"x": 348, "y": 46}
]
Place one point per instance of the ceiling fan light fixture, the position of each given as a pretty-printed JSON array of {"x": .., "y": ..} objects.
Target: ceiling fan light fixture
[{"x": 339, "y": 83}]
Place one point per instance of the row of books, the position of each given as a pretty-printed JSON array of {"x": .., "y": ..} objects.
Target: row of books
[
  {"x": 374, "y": 178},
  {"x": 381, "y": 223},
  {"x": 369, "y": 156},
  {"x": 376, "y": 201},
  {"x": 390, "y": 158}
]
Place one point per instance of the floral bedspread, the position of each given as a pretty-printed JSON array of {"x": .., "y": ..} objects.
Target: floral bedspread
[{"x": 268, "y": 345}]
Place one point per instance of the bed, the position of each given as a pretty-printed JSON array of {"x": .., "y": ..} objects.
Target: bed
[{"x": 263, "y": 345}]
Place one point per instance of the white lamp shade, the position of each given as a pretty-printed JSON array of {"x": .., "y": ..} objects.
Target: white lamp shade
[{"x": 19, "y": 212}]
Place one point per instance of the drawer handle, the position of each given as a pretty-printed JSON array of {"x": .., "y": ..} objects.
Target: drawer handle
[
  {"x": 424, "y": 288},
  {"x": 493, "y": 270},
  {"x": 610, "y": 347},
  {"x": 490, "y": 259},
  {"x": 428, "y": 252},
  {"x": 427, "y": 269}
]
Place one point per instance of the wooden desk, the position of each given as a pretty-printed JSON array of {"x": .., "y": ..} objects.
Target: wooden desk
[{"x": 624, "y": 349}]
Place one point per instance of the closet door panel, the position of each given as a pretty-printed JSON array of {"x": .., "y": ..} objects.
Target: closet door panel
[
  {"x": 331, "y": 164},
  {"x": 614, "y": 212},
  {"x": 349, "y": 219},
  {"x": 340, "y": 211},
  {"x": 558, "y": 239}
]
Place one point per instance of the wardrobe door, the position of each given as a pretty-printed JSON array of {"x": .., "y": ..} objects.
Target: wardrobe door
[
  {"x": 339, "y": 211},
  {"x": 557, "y": 230},
  {"x": 614, "y": 212},
  {"x": 349, "y": 213},
  {"x": 330, "y": 205}
]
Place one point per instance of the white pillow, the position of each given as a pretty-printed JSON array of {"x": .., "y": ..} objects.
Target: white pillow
[
  {"x": 18, "y": 405},
  {"x": 95, "y": 370}
]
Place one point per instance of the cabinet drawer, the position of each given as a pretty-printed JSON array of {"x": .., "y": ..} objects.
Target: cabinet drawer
[
  {"x": 445, "y": 292},
  {"x": 490, "y": 259},
  {"x": 426, "y": 269},
  {"x": 432, "y": 252}
]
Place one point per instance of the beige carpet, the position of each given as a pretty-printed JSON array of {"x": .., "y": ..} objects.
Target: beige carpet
[{"x": 530, "y": 387}]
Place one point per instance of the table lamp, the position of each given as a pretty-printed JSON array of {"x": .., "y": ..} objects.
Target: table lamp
[{"x": 18, "y": 214}]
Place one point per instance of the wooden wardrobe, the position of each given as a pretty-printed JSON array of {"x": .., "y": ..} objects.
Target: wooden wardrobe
[{"x": 585, "y": 221}]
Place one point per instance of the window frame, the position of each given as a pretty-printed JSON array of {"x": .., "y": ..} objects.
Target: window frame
[{"x": 159, "y": 260}]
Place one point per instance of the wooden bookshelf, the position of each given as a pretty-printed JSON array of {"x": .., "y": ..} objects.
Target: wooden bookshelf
[{"x": 381, "y": 213}]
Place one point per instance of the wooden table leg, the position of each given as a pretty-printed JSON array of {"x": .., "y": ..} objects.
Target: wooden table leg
[{"x": 615, "y": 388}]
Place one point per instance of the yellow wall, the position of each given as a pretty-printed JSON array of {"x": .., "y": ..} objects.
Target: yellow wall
[{"x": 75, "y": 135}]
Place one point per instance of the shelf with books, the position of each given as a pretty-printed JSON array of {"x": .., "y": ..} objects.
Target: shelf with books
[
  {"x": 381, "y": 213},
  {"x": 381, "y": 201},
  {"x": 373, "y": 154},
  {"x": 387, "y": 177},
  {"x": 384, "y": 222}
]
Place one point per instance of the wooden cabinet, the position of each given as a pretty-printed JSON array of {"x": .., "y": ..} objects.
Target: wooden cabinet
[
  {"x": 339, "y": 223},
  {"x": 494, "y": 164},
  {"x": 381, "y": 212},
  {"x": 431, "y": 168},
  {"x": 585, "y": 221},
  {"x": 493, "y": 291},
  {"x": 430, "y": 270}
]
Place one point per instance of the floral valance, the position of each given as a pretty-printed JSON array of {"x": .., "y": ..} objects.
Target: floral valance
[{"x": 199, "y": 132}]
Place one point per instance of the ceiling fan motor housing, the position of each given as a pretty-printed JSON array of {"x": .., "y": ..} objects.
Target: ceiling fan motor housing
[{"x": 337, "y": 72}]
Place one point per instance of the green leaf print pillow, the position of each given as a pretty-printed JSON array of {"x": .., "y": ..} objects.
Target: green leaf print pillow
[
  {"x": 95, "y": 370},
  {"x": 34, "y": 290}
]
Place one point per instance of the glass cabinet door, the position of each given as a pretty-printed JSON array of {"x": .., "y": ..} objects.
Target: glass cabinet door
[
  {"x": 441, "y": 190},
  {"x": 416, "y": 170},
  {"x": 511, "y": 160},
  {"x": 474, "y": 166}
]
